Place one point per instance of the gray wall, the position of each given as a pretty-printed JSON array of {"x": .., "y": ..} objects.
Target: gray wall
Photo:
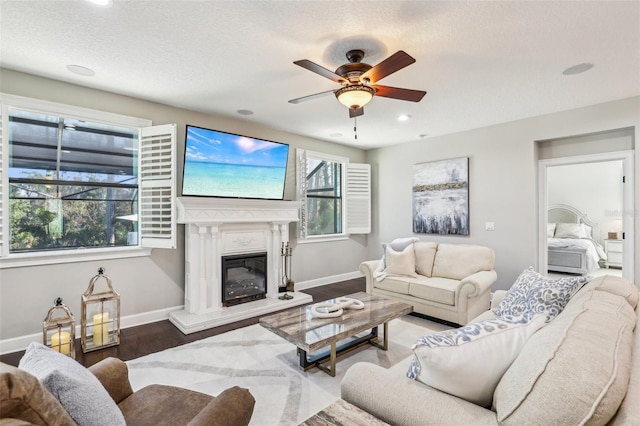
[
  {"x": 154, "y": 283},
  {"x": 503, "y": 184}
]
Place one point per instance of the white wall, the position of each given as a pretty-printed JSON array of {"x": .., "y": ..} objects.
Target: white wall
[
  {"x": 502, "y": 181},
  {"x": 154, "y": 283}
]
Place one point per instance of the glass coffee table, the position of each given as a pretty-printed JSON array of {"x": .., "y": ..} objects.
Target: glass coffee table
[{"x": 322, "y": 339}]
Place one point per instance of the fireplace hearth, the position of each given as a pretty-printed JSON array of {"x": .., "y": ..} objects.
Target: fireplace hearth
[{"x": 244, "y": 278}]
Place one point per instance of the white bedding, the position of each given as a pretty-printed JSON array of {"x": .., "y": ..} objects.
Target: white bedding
[{"x": 595, "y": 252}]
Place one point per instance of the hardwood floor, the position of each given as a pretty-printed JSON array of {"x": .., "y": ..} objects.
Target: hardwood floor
[{"x": 158, "y": 336}]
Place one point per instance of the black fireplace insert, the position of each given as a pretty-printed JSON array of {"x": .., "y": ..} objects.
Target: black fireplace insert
[{"x": 244, "y": 278}]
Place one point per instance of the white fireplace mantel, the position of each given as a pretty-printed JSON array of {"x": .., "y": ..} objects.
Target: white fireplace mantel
[
  {"x": 217, "y": 227},
  {"x": 207, "y": 211}
]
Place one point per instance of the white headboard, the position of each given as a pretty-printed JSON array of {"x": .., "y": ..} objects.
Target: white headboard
[{"x": 564, "y": 213}]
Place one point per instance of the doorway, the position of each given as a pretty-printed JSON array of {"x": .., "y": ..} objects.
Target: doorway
[{"x": 599, "y": 187}]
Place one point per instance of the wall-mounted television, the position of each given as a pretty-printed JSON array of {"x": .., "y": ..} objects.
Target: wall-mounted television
[{"x": 221, "y": 164}]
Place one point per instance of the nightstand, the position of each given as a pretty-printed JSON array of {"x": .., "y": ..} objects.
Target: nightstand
[{"x": 613, "y": 248}]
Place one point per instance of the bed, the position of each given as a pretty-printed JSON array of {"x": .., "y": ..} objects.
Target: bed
[{"x": 571, "y": 244}]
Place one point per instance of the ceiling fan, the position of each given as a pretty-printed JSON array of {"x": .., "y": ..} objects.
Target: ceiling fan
[{"x": 358, "y": 81}]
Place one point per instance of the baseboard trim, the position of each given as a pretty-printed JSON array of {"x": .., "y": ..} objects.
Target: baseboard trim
[{"x": 20, "y": 343}]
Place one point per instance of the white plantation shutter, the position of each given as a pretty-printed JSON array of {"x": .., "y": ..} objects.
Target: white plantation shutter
[
  {"x": 358, "y": 198},
  {"x": 4, "y": 184},
  {"x": 301, "y": 169},
  {"x": 157, "y": 186}
]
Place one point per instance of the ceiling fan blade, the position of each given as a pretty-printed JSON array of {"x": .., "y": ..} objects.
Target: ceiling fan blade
[
  {"x": 393, "y": 63},
  {"x": 356, "y": 112},
  {"x": 318, "y": 69},
  {"x": 310, "y": 97},
  {"x": 398, "y": 93}
]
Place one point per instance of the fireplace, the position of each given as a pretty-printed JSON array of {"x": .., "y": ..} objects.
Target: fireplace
[
  {"x": 217, "y": 228},
  {"x": 244, "y": 278}
]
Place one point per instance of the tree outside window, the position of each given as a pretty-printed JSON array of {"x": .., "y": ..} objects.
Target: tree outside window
[
  {"x": 72, "y": 183},
  {"x": 324, "y": 197}
]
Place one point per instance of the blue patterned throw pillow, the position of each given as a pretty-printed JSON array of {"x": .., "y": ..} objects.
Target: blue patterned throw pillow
[
  {"x": 534, "y": 293},
  {"x": 469, "y": 361}
]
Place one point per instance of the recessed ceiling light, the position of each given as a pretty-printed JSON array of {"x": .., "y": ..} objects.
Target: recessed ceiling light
[
  {"x": 336, "y": 135},
  {"x": 404, "y": 117},
  {"x": 102, "y": 3},
  {"x": 80, "y": 70},
  {"x": 422, "y": 136},
  {"x": 245, "y": 112},
  {"x": 577, "y": 69}
]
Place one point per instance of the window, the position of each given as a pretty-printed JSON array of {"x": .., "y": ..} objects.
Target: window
[
  {"x": 335, "y": 195},
  {"x": 74, "y": 181}
]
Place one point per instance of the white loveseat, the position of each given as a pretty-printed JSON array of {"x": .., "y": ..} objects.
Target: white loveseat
[
  {"x": 581, "y": 368},
  {"x": 451, "y": 282}
]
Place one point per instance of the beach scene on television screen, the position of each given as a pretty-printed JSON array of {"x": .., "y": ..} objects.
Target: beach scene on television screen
[{"x": 227, "y": 165}]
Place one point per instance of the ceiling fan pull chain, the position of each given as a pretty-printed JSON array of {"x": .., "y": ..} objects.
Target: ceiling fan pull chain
[{"x": 355, "y": 128}]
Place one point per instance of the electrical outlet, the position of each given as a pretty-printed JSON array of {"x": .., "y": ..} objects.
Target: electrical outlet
[{"x": 489, "y": 226}]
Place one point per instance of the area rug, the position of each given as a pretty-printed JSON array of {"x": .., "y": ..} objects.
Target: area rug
[{"x": 254, "y": 358}]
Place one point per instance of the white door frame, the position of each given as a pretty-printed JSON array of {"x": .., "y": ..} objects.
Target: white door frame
[{"x": 628, "y": 265}]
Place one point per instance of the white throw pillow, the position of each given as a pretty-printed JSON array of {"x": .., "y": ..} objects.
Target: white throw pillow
[
  {"x": 469, "y": 361},
  {"x": 401, "y": 262},
  {"x": 587, "y": 231},
  {"x": 534, "y": 293},
  {"x": 75, "y": 387},
  {"x": 569, "y": 230},
  {"x": 398, "y": 244}
]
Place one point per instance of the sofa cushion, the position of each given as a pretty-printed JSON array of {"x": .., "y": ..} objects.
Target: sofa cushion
[
  {"x": 401, "y": 262},
  {"x": 458, "y": 261},
  {"x": 584, "y": 354},
  {"x": 79, "y": 391},
  {"x": 425, "y": 255},
  {"x": 394, "y": 284},
  {"x": 175, "y": 405},
  {"x": 23, "y": 397},
  {"x": 535, "y": 293},
  {"x": 469, "y": 361},
  {"x": 435, "y": 289}
]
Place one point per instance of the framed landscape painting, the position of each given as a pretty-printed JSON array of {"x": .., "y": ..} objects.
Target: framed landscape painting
[{"x": 441, "y": 197}]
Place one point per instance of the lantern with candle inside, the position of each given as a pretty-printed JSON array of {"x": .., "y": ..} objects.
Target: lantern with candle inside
[
  {"x": 100, "y": 314},
  {"x": 59, "y": 329}
]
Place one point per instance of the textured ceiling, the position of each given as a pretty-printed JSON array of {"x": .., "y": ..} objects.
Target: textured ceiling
[{"x": 481, "y": 62}]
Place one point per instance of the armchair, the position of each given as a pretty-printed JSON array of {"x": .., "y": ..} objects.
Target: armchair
[{"x": 24, "y": 400}]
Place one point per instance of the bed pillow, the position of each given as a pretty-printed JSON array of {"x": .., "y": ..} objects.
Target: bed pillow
[
  {"x": 587, "y": 231},
  {"x": 401, "y": 262},
  {"x": 398, "y": 244},
  {"x": 469, "y": 361},
  {"x": 551, "y": 230},
  {"x": 75, "y": 387},
  {"x": 569, "y": 230},
  {"x": 534, "y": 293}
]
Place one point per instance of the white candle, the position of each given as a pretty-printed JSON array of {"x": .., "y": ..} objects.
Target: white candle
[
  {"x": 100, "y": 329},
  {"x": 61, "y": 342}
]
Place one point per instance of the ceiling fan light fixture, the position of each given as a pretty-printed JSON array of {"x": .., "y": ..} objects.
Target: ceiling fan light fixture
[{"x": 355, "y": 96}]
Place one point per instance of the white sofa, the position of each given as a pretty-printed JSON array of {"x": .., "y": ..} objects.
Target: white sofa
[
  {"x": 451, "y": 282},
  {"x": 581, "y": 368}
]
